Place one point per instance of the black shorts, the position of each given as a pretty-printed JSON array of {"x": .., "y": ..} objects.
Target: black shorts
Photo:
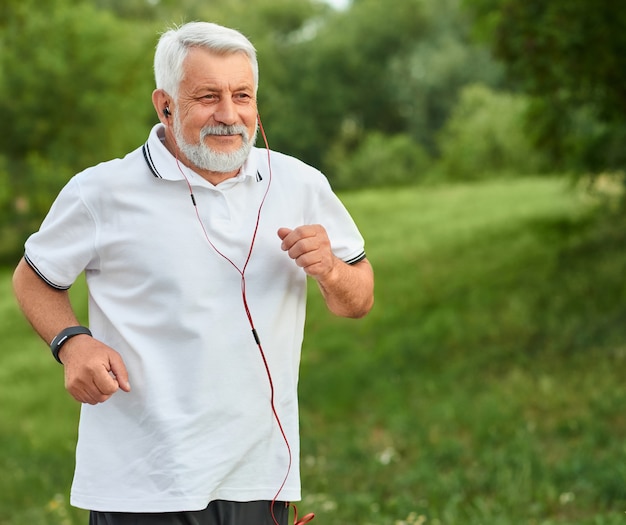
[{"x": 217, "y": 513}]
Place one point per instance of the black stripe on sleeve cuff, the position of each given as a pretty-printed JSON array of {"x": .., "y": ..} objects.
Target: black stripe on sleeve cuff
[
  {"x": 356, "y": 259},
  {"x": 43, "y": 277}
]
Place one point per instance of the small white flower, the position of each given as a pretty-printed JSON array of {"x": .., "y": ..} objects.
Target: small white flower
[{"x": 387, "y": 455}]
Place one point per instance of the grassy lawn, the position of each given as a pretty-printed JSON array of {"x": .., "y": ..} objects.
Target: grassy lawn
[{"x": 484, "y": 388}]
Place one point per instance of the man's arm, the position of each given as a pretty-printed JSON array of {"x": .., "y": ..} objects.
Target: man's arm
[
  {"x": 93, "y": 371},
  {"x": 347, "y": 289}
]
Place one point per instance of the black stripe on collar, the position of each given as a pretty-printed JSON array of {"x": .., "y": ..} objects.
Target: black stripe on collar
[
  {"x": 148, "y": 158},
  {"x": 146, "y": 155}
]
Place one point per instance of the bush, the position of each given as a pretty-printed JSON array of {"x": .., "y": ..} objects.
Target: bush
[
  {"x": 378, "y": 160},
  {"x": 79, "y": 96},
  {"x": 485, "y": 136}
]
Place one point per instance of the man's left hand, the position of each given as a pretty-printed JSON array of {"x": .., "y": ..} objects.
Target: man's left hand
[{"x": 309, "y": 247}]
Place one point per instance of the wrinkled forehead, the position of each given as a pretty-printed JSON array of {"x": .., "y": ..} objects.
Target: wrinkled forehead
[
  {"x": 201, "y": 62},
  {"x": 203, "y": 67}
]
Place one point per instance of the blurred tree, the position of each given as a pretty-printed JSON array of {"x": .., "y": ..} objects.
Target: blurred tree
[
  {"x": 378, "y": 160},
  {"x": 372, "y": 69},
  {"x": 72, "y": 78},
  {"x": 337, "y": 68},
  {"x": 133, "y": 9},
  {"x": 570, "y": 55},
  {"x": 427, "y": 80},
  {"x": 484, "y": 137},
  {"x": 75, "y": 86}
]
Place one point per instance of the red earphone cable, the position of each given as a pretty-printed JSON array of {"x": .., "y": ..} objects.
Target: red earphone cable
[{"x": 257, "y": 340}]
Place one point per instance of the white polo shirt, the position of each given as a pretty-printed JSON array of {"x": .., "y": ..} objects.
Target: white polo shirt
[{"x": 198, "y": 424}]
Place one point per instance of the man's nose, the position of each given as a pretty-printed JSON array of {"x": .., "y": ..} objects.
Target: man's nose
[{"x": 226, "y": 113}]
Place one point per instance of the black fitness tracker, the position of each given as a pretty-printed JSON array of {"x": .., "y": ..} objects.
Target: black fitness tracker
[{"x": 61, "y": 338}]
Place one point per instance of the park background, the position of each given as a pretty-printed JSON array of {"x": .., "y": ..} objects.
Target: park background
[{"x": 479, "y": 145}]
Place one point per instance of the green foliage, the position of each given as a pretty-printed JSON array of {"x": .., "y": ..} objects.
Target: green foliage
[
  {"x": 571, "y": 56},
  {"x": 8, "y": 213},
  {"x": 383, "y": 70},
  {"x": 74, "y": 90},
  {"x": 486, "y": 386},
  {"x": 484, "y": 137},
  {"x": 427, "y": 79},
  {"x": 80, "y": 85},
  {"x": 378, "y": 160},
  {"x": 337, "y": 68},
  {"x": 31, "y": 184}
]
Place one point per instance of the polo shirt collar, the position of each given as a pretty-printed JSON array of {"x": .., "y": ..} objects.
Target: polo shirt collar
[{"x": 163, "y": 165}]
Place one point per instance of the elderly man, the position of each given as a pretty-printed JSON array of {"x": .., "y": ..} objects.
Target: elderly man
[{"x": 196, "y": 249}]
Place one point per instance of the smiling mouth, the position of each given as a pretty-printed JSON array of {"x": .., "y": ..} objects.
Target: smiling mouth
[{"x": 224, "y": 138}]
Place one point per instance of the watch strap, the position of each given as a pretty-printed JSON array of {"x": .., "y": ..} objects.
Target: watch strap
[{"x": 61, "y": 338}]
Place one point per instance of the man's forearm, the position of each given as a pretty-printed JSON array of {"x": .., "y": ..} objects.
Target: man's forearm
[{"x": 349, "y": 289}]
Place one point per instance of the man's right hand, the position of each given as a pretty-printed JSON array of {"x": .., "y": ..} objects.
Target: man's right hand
[{"x": 93, "y": 370}]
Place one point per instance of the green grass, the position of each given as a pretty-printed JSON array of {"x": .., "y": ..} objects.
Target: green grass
[{"x": 484, "y": 388}]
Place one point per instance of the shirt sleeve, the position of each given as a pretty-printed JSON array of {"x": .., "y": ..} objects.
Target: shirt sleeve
[
  {"x": 346, "y": 241},
  {"x": 64, "y": 246}
]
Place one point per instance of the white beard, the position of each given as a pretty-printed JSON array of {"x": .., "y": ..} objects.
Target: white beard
[{"x": 203, "y": 157}]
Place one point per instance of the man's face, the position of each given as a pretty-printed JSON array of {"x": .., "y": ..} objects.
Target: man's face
[{"x": 215, "y": 119}]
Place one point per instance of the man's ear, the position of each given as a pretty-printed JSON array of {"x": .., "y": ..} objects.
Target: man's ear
[{"x": 161, "y": 102}]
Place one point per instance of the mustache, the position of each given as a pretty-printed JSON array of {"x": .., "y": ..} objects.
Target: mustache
[{"x": 235, "y": 129}]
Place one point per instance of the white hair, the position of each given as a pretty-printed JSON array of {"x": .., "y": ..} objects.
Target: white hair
[{"x": 175, "y": 43}]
